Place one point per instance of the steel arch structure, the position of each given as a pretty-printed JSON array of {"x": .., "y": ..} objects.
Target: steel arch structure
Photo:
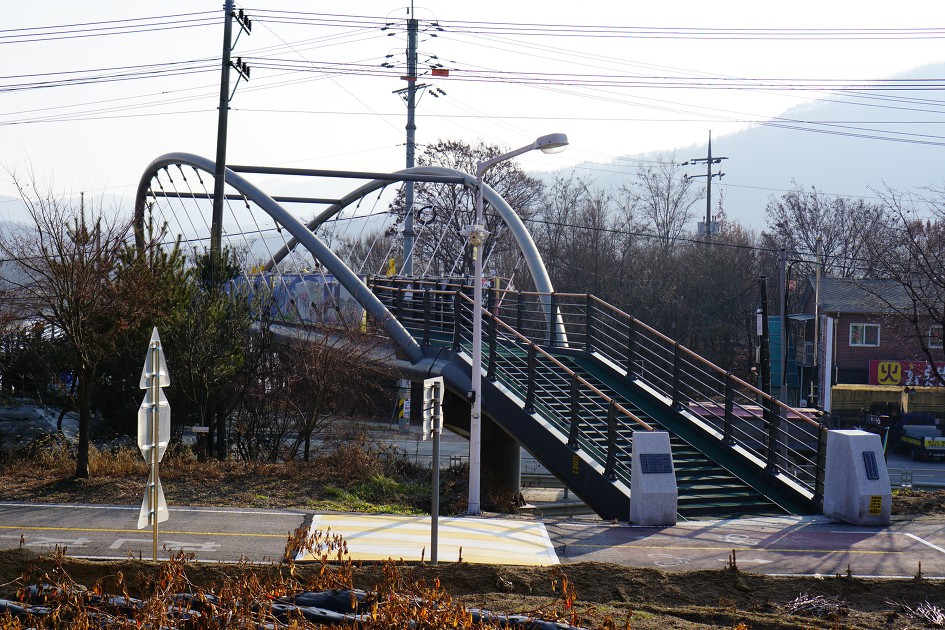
[{"x": 303, "y": 234}]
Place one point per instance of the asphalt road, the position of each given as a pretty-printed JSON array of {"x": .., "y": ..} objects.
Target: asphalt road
[
  {"x": 786, "y": 545},
  {"x": 89, "y": 531}
]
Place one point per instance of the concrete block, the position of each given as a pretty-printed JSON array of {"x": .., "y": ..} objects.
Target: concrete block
[
  {"x": 653, "y": 493},
  {"x": 856, "y": 481}
]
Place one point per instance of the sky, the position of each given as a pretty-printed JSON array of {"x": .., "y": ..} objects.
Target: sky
[{"x": 620, "y": 79}]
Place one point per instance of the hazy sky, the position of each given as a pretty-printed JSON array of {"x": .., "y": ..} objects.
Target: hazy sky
[{"x": 321, "y": 98}]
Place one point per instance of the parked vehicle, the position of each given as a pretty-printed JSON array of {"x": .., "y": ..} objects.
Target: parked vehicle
[{"x": 919, "y": 435}]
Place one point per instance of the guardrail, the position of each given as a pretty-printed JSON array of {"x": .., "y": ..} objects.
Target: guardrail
[
  {"x": 785, "y": 441},
  {"x": 916, "y": 477}
]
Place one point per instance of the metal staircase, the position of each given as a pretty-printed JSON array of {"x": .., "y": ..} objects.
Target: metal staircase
[{"x": 571, "y": 377}]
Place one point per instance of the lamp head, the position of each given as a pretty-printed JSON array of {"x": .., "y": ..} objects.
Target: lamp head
[{"x": 552, "y": 143}]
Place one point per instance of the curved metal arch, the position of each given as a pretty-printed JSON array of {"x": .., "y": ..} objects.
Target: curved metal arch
[
  {"x": 536, "y": 265},
  {"x": 299, "y": 232}
]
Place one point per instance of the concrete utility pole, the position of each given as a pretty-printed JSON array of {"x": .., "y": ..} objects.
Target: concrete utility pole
[
  {"x": 709, "y": 161},
  {"x": 216, "y": 222},
  {"x": 815, "y": 380},
  {"x": 782, "y": 387},
  {"x": 410, "y": 95},
  {"x": 764, "y": 361},
  {"x": 411, "y": 78}
]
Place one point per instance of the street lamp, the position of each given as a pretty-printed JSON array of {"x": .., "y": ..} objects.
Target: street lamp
[{"x": 477, "y": 235}]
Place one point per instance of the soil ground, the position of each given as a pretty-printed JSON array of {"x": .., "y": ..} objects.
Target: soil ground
[{"x": 647, "y": 599}]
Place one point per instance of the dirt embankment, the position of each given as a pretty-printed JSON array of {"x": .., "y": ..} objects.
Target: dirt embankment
[{"x": 603, "y": 595}]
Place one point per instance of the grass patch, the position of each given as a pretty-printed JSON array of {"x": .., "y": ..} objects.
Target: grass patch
[{"x": 377, "y": 495}]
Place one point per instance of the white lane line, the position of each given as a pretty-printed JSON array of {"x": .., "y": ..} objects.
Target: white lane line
[
  {"x": 137, "y": 509},
  {"x": 925, "y": 542},
  {"x": 871, "y": 577}
]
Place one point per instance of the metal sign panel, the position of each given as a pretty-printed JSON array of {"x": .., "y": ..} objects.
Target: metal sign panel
[
  {"x": 165, "y": 377},
  {"x": 433, "y": 389},
  {"x": 146, "y": 429},
  {"x": 145, "y": 515},
  {"x": 656, "y": 463}
]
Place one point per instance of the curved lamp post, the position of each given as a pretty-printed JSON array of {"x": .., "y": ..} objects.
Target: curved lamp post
[{"x": 477, "y": 235}]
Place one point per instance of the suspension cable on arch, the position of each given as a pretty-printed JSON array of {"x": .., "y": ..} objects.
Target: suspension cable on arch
[
  {"x": 442, "y": 236},
  {"x": 377, "y": 234}
]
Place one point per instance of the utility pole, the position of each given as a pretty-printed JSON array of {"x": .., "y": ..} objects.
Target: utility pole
[
  {"x": 411, "y": 78},
  {"x": 815, "y": 379},
  {"x": 765, "y": 354},
  {"x": 410, "y": 95},
  {"x": 216, "y": 223},
  {"x": 709, "y": 161},
  {"x": 782, "y": 388}
]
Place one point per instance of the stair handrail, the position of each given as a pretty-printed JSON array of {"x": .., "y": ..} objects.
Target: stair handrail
[
  {"x": 566, "y": 369},
  {"x": 787, "y": 409},
  {"x": 510, "y": 331}
]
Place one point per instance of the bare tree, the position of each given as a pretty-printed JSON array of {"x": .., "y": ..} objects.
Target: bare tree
[
  {"x": 663, "y": 197},
  {"x": 331, "y": 372},
  {"x": 443, "y": 211},
  {"x": 846, "y": 226},
  {"x": 911, "y": 251},
  {"x": 74, "y": 277}
]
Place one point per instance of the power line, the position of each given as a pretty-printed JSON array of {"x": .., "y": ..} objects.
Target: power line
[
  {"x": 587, "y": 30},
  {"x": 106, "y": 28}
]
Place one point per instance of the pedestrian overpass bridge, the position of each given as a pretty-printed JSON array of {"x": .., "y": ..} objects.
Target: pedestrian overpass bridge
[{"x": 567, "y": 377}]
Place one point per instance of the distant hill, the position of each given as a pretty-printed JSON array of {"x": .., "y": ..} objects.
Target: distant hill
[{"x": 841, "y": 158}]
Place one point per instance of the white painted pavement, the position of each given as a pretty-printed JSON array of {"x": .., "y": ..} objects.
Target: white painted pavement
[{"x": 480, "y": 540}]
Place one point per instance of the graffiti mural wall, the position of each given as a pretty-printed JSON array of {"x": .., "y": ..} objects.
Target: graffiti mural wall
[{"x": 301, "y": 298}]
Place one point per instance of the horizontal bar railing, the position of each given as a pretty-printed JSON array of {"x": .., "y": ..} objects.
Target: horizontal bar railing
[
  {"x": 787, "y": 441},
  {"x": 782, "y": 440},
  {"x": 541, "y": 380}
]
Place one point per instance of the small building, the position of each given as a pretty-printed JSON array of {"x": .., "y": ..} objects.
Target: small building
[{"x": 871, "y": 343}]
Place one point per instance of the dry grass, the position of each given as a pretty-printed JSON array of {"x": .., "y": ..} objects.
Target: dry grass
[
  {"x": 347, "y": 474},
  {"x": 169, "y": 595}
]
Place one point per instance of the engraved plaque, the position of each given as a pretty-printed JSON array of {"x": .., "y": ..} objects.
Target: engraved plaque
[
  {"x": 655, "y": 463},
  {"x": 869, "y": 460}
]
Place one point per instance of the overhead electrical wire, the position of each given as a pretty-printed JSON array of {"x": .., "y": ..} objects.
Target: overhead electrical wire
[
  {"x": 128, "y": 26},
  {"x": 587, "y": 30}
]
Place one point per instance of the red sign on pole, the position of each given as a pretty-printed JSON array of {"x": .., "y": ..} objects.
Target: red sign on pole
[{"x": 441, "y": 72}]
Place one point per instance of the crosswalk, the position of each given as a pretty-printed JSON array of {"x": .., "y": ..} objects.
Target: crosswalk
[{"x": 466, "y": 539}]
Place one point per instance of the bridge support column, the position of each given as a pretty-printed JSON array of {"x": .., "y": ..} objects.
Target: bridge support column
[{"x": 501, "y": 461}]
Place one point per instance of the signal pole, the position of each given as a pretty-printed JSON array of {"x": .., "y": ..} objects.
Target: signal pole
[{"x": 709, "y": 161}]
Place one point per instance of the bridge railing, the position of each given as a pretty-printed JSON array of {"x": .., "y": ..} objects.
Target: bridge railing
[
  {"x": 778, "y": 439},
  {"x": 590, "y": 419}
]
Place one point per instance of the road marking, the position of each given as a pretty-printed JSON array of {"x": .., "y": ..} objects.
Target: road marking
[
  {"x": 742, "y": 560},
  {"x": 176, "y": 545},
  {"x": 41, "y": 541},
  {"x": 483, "y": 540},
  {"x": 925, "y": 542},
  {"x": 754, "y": 549},
  {"x": 667, "y": 560},
  {"x": 136, "y": 509},
  {"x": 101, "y": 530},
  {"x": 121, "y": 541}
]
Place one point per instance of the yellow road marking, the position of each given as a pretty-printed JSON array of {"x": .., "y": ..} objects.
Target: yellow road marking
[{"x": 493, "y": 541}]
